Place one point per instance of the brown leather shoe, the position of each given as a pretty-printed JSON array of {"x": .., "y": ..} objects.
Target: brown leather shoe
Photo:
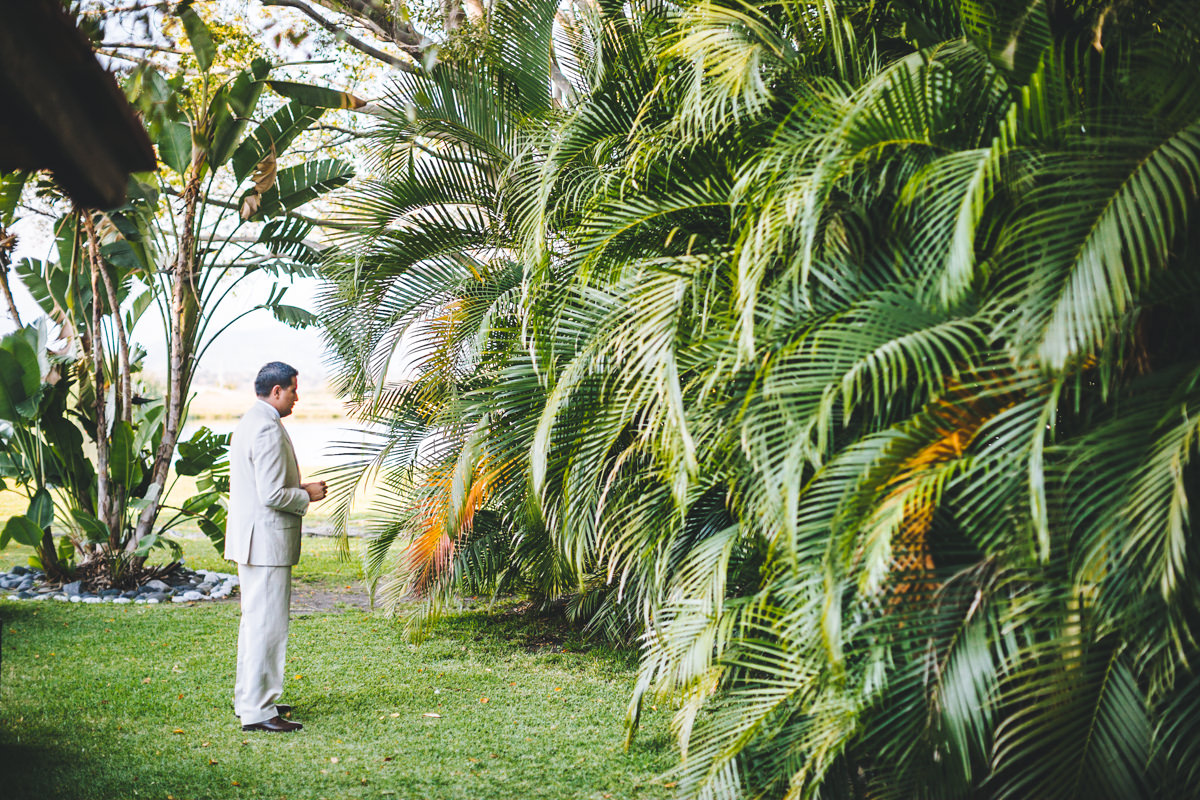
[{"x": 275, "y": 724}]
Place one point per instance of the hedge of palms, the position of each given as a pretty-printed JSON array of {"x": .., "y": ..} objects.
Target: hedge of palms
[{"x": 843, "y": 353}]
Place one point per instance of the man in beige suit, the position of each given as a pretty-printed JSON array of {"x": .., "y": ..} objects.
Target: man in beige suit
[{"x": 267, "y": 502}]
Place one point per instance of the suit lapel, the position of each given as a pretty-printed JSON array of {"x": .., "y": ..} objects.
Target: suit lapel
[{"x": 290, "y": 447}]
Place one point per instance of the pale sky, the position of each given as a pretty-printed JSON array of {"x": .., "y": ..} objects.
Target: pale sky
[{"x": 236, "y": 355}]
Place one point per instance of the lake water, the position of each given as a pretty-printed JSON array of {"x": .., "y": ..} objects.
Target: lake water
[{"x": 317, "y": 444}]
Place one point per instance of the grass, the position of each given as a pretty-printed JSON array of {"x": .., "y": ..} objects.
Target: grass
[{"x": 132, "y": 701}]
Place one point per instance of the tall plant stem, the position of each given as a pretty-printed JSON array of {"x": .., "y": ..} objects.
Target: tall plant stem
[
  {"x": 103, "y": 507},
  {"x": 182, "y": 327},
  {"x": 123, "y": 407},
  {"x": 6, "y": 240}
]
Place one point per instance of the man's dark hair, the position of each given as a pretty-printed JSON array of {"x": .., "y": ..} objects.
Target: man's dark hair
[{"x": 273, "y": 374}]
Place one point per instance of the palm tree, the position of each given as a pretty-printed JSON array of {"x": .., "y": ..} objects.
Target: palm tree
[
  {"x": 950, "y": 266},
  {"x": 434, "y": 278},
  {"x": 847, "y": 361}
]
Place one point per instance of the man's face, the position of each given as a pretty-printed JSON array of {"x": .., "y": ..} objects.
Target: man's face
[{"x": 284, "y": 397}]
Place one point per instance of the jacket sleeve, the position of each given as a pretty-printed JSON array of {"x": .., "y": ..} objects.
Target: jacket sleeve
[{"x": 270, "y": 474}]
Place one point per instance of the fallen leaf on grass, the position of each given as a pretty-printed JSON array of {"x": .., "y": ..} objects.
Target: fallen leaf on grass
[
  {"x": 147, "y": 680},
  {"x": 430, "y": 714},
  {"x": 212, "y": 761},
  {"x": 177, "y": 730},
  {"x": 396, "y": 714},
  {"x": 483, "y": 699}
]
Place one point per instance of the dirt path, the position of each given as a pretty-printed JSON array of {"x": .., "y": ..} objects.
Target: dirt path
[{"x": 309, "y": 598}]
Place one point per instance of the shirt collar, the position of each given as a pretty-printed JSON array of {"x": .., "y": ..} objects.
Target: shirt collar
[{"x": 274, "y": 411}]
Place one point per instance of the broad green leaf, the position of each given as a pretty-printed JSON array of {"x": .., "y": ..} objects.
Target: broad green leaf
[
  {"x": 21, "y": 530},
  {"x": 231, "y": 109},
  {"x": 199, "y": 503},
  {"x": 214, "y": 531},
  {"x": 199, "y": 36},
  {"x": 30, "y": 374},
  {"x": 146, "y": 545},
  {"x": 124, "y": 257},
  {"x": 93, "y": 529},
  {"x": 41, "y": 509},
  {"x": 50, "y": 286},
  {"x": 137, "y": 308},
  {"x": 202, "y": 452},
  {"x": 125, "y": 463},
  {"x": 287, "y": 237},
  {"x": 175, "y": 145},
  {"x": 69, "y": 245},
  {"x": 149, "y": 421},
  {"x": 277, "y": 131},
  {"x": 12, "y": 393},
  {"x": 318, "y": 96},
  {"x": 149, "y": 499},
  {"x": 297, "y": 185},
  {"x": 11, "y": 185},
  {"x": 293, "y": 316},
  {"x": 66, "y": 442}
]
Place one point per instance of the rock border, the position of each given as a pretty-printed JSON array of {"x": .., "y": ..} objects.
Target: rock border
[{"x": 181, "y": 585}]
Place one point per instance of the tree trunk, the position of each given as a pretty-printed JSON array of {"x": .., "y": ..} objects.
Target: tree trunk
[
  {"x": 183, "y": 326},
  {"x": 122, "y": 385},
  {"x": 6, "y": 242},
  {"x": 49, "y": 558},
  {"x": 124, "y": 405},
  {"x": 103, "y": 507}
]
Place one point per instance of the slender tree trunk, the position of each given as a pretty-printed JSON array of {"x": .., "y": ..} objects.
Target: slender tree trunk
[
  {"x": 103, "y": 507},
  {"x": 49, "y": 557},
  {"x": 183, "y": 325},
  {"x": 123, "y": 405},
  {"x": 124, "y": 408},
  {"x": 6, "y": 240}
]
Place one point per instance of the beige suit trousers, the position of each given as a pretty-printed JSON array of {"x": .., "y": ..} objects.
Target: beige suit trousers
[{"x": 262, "y": 641}]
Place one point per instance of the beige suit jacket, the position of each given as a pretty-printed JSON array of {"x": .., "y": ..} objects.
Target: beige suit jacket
[{"x": 266, "y": 503}]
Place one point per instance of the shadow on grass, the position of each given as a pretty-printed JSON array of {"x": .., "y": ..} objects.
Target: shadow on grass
[{"x": 512, "y": 622}]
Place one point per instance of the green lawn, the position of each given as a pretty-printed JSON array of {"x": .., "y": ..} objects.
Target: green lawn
[{"x": 133, "y": 701}]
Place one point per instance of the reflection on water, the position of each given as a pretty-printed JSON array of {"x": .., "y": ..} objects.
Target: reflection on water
[{"x": 317, "y": 444}]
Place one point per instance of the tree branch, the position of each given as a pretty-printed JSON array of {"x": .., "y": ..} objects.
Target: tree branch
[
  {"x": 7, "y": 242},
  {"x": 343, "y": 35},
  {"x": 141, "y": 46},
  {"x": 339, "y": 129},
  {"x": 126, "y": 9},
  {"x": 341, "y": 226},
  {"x": 373, "y": 15},
  {"x": 378, "y": 18}
]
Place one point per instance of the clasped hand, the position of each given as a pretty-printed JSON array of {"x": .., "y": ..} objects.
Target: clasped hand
[{"x": 316, "y": 490}]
